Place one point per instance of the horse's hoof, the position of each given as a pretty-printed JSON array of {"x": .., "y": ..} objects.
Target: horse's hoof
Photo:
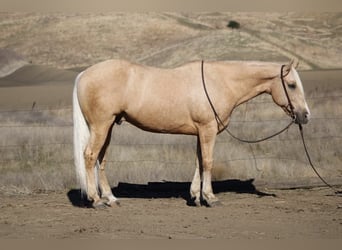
[
  {"x": 194, "y": 202},
  {"x": 114, "y": 203},
  {"x": 216, "y": 203},
  {"x": 99, "y": 204},
  {"x": 213, "y": 203}
]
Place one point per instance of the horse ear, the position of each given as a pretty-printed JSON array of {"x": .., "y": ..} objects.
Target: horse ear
[
  {"x": 294, "y": 63},
  {"x": 287, "y": 68}
]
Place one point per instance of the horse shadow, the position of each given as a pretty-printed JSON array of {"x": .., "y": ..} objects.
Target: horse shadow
[{"x": 169, "y": 189}]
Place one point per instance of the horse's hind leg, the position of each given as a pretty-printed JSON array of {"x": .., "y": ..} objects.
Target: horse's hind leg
[
  {"x": 106, "y": 192},
  {"x": 97, "y": 140}
]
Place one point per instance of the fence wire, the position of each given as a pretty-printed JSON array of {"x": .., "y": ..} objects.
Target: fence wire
[{"x": 15, "y": 133}]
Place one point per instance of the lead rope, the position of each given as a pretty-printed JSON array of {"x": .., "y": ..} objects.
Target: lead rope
[
  {"x": 301, "y": 131},
  {"x": 219, "y": 122},
  {"x": 337, "y": 192}
]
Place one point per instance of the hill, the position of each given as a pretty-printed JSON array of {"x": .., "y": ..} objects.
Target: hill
[{"x": 76, "y": 40}]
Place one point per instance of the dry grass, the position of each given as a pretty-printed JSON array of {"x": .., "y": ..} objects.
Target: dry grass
[{"x": 35, "y": 150}]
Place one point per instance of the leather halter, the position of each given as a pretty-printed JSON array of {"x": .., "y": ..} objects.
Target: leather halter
[{"x": 289, "y": 106}]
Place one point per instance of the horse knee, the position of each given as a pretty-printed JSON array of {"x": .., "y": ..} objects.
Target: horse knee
[{"x": 89, "y": 157}]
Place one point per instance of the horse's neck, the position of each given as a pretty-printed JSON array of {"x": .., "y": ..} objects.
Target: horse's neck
[{"x": 252, "y": 79}]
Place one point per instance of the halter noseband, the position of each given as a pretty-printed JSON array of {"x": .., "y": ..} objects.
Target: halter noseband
[{"x": 289, "y": 106}]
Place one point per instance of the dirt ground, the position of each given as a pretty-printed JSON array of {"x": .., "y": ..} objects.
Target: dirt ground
[{"x": 244, "y": 214}]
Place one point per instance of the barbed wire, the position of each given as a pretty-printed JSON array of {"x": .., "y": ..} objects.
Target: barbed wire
[
  {"x": 70, "y": 125},
  {"x": 69, "y": 107},
  {"x": 32, "y": 110},
  {"x": 48, "y": 144},
  {"x": 165, "y": 162},
  {"x": 10, "y": 121}
]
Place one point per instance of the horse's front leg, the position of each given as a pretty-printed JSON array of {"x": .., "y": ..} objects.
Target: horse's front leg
[
  {"x": 195, "y": 188},
  {"x": 207, "y": 141}
]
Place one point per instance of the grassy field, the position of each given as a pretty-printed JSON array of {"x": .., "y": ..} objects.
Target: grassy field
[
  {"x": 35, "y": 101},
  {"x": 36, "y": 150}
]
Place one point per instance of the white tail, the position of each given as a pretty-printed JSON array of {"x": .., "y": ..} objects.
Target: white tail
[{"x": 81, "y": 137}]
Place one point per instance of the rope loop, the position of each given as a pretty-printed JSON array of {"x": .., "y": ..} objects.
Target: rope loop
[
  {"x": 292, "y": 114},
  {"x": 220, "y": 123}
]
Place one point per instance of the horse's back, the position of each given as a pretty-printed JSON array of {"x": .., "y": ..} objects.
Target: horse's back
[{"x": 157, "y": 99}]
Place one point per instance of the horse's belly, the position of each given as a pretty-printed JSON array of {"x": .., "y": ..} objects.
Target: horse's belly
[{"x": 161, "y": 124}]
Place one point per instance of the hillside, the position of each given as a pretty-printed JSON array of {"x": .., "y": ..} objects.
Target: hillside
[{"x": 76, "y": 40}]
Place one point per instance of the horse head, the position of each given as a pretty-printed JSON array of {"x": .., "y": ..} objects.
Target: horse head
[{"x": 288, "y": 93}]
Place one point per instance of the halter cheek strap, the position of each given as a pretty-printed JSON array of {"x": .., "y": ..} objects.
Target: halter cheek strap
[{"x": 289, "y": 107}]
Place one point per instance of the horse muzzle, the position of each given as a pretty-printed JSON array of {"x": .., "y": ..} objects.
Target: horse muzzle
[
  {"x": 302, "y": 117},
  {"x": 299, "y": 117}
]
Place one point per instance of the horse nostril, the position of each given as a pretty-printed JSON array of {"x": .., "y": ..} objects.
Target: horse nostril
[
  {"x": 306, "y": 117},
  {"x": 306, "y": 114}
]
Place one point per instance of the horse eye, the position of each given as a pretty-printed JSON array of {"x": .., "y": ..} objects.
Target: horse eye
[{"x": 292, "y": 85}]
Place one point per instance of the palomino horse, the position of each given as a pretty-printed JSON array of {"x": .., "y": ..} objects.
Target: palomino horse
[{"x": 170, "y": 101}]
